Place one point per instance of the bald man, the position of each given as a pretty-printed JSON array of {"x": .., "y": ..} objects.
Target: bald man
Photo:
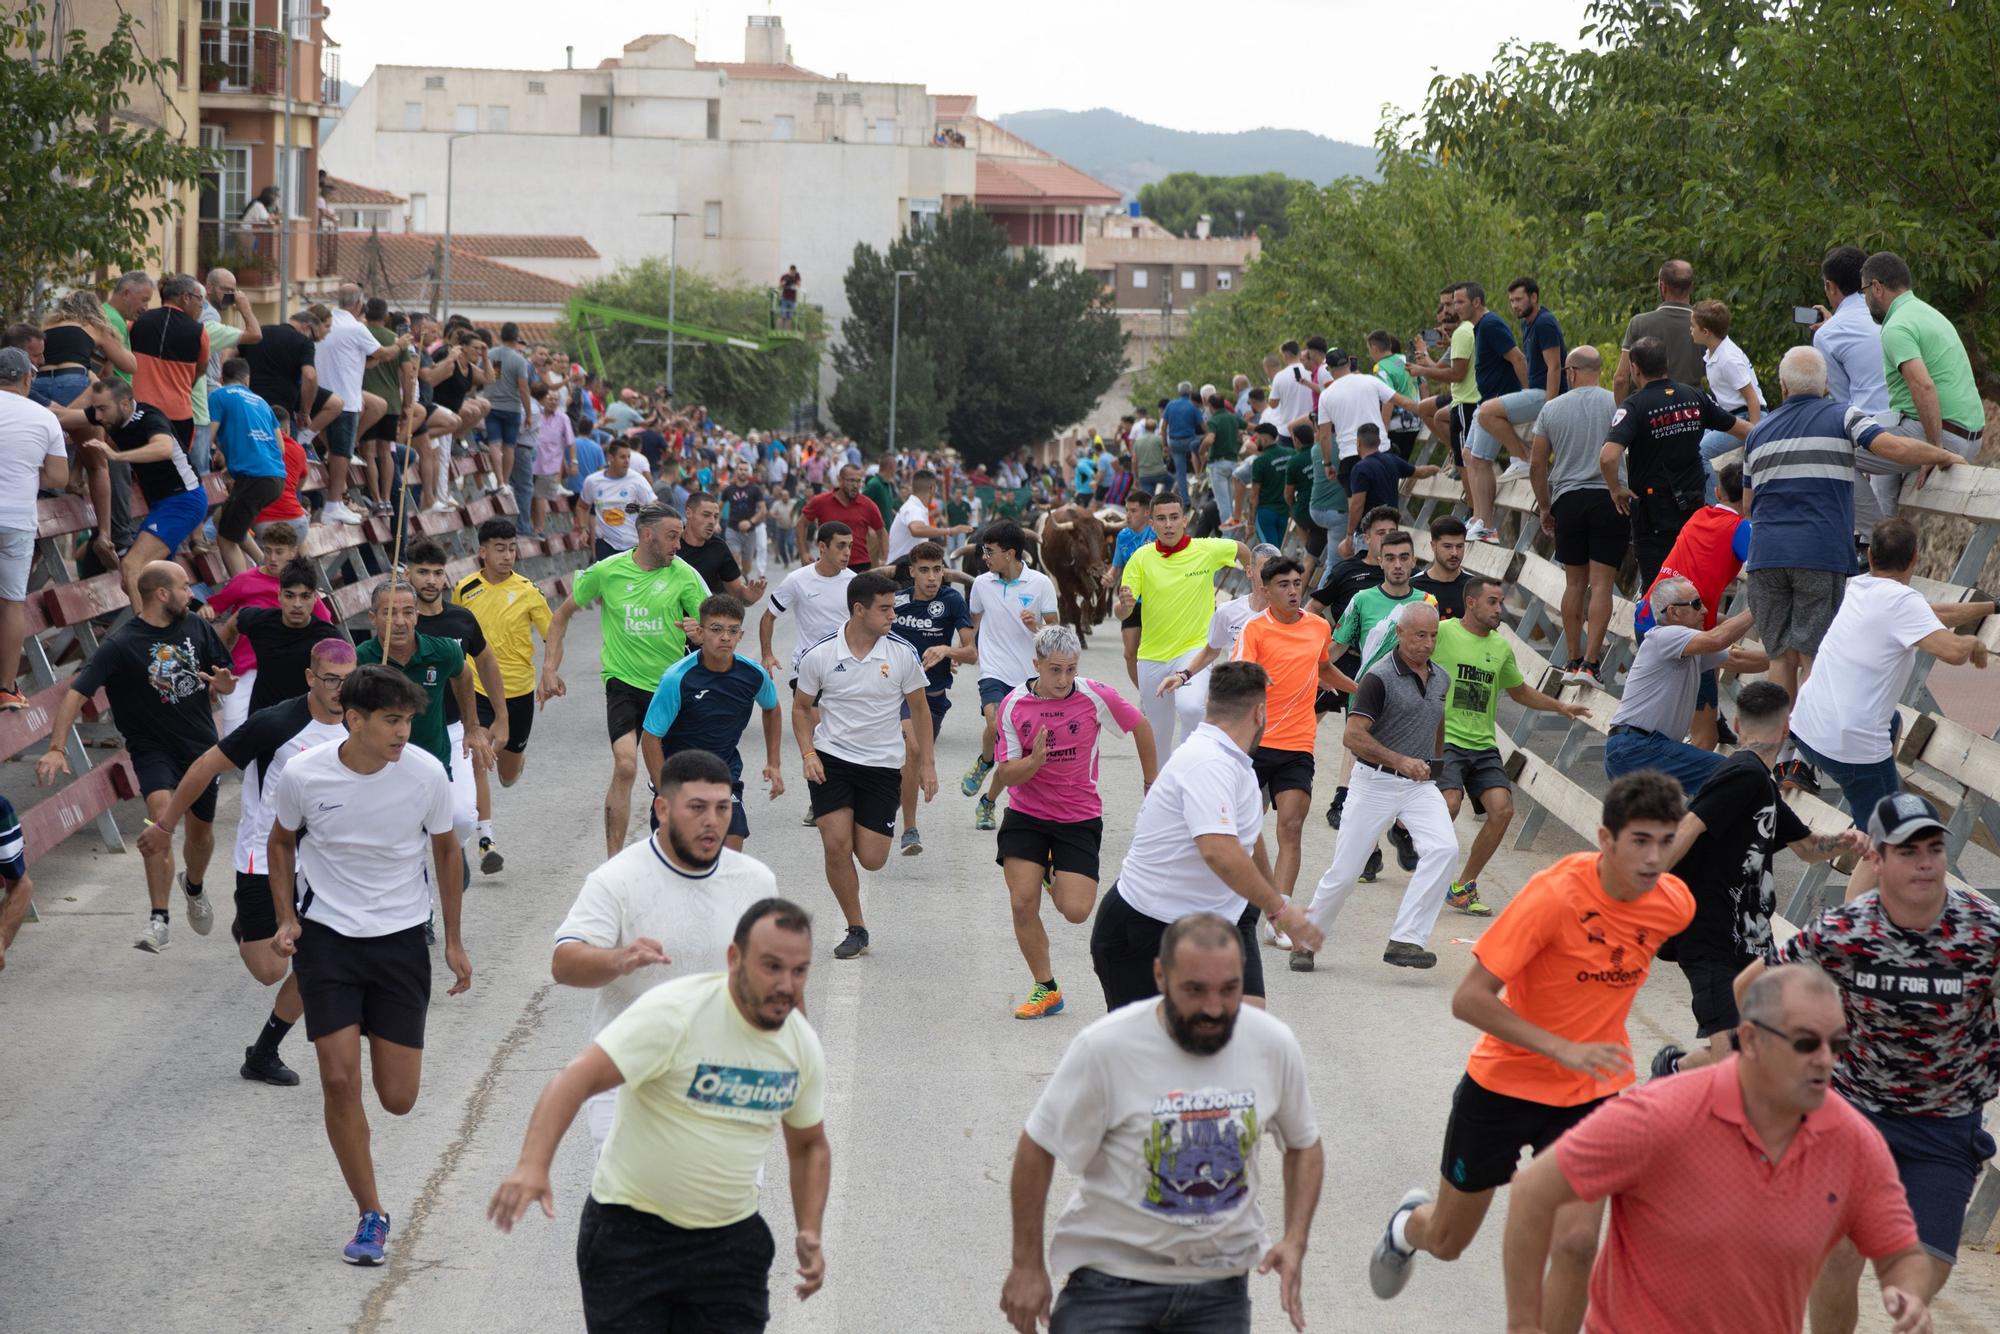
[{"x": 1667, "y": 322}]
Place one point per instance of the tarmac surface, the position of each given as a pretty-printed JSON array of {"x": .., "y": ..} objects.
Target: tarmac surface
[{"x": 148, "y": 1187}]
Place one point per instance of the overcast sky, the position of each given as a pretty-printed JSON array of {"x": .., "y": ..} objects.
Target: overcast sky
[{"x": 1323, "y": 65}]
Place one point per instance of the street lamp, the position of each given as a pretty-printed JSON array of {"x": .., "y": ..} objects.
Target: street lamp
[
  {"x": 673, "y": 275},
  {"x": 896, "y": 350},
  {"x": 291, "y": 22},
  {"x": 444, "y": 263}
]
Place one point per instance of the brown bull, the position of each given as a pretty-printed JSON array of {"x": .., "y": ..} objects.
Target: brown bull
[{"x": 1073, "y": 555}]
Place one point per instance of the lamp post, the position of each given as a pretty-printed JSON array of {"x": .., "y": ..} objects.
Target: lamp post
[
  {"x": 673, "y": 276},
  {"x": 444, "y": 261},
  {"x": 896, "y": 349},
  {"x": 291, "y": 22}
]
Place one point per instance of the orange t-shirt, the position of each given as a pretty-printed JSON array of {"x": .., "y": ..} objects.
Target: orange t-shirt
[
  {"x": 1573, "y": 959},
  {"x": 1291, "y": 654}
]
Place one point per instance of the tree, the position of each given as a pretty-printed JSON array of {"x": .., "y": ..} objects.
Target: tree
[
  {"x": 998, "y": 349},
  {"x": 75, "y": 175},
  {"x": 1176, "y": 201},
  {"x": 741, "y": 388}
]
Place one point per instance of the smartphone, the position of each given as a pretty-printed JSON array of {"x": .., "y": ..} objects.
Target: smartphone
[
  {"x": 1431, "y": 337},
  {"x": 1804, "y": 315}
]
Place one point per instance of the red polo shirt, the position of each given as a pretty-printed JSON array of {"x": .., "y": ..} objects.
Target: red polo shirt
[
  {"x": 862, "y": 515},
  {"x": 1707, "y": 1236}
]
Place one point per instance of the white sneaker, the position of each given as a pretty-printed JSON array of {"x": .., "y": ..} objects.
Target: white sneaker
[
  {"x": 200, "y": 913},
  {"x": 441, "y": 507},
  {"x": 1271, "y": 936},
  {"x": 335, "y": 512},
  {"x": 1518, "y": 468},
  {"x": 1475, "y": 531},
  {"x": 154, "y": 938}
]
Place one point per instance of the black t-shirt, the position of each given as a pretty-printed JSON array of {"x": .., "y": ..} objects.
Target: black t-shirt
[
  {"x": 739, "y": 503},
  {"x": 1729, "y": 866},
  {"x": 260, "y": 735},
  {"x": 712, "y": 561},
  {"x": 282, "y": 653},
  {"x": 449, "y": 393},
  {"x": 275, "y": 362},
  {"x": 151, "y": 676},
  {"x": 1661, "y": 425},
  {"x": 1348, "y": 578},
  {"x": 160, "y": 479},
  {"x": 454, "y": 622},
  {"x": 1450, "y": 593}
]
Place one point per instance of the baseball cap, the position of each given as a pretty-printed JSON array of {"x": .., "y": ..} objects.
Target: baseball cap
[
  {"x": 1900, "y": 818},
  {"x": 15, "y": 365}
]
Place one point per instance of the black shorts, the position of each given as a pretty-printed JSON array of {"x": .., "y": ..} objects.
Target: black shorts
[
  {"x": 384, "y": 428},
  {"x": 1471, "y": 771},
  {"x": 875, "y": 795},
  {"x": 1461, "y": 427},
  {"x": 1344, "y": 470},
  {"x": 1590, "y": 528},
  {"x": 256, "y": 915},
  {"x": 1488, "y": 1130},
  {"x": 1067, "y": 847},
  {"x": 158, "y": 771},
  {"x": 641, "y": 1273},
  {"x": 1283, "y": 770},
  {"x": 1712, "y": 988},
  {"x": 938, "y": 701},
  {"x": 248, "y": 497},
  {"x": 1124, "y": 942},
  {"x": 1132, "y": 622},
  {"x": 625, "y": 708},
  {"x": 382, "y": 983},
  {"x": 520, "y": 717}
]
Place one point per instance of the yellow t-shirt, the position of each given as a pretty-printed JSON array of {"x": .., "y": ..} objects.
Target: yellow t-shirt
[
  {"x": 1177, "y": 594},
  {"x": 506, "y": 611},
  {"x": 1462, "y": 344},
  {"x": 704, "y": 1090}
]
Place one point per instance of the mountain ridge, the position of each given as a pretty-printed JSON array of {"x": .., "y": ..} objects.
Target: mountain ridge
[{"x": 1126, "y": 153}]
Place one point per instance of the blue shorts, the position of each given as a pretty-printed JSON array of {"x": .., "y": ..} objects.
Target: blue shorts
[
  {"x": 340, "y": 434},
  {"x": 1938, "y": 1158},
  {"x": 1707, "y": 694},
  {"x": 174, "y": 519},
  {"x": 991, "y": 692},
  {"x": 504, "y": 424},
  {"x": 940, "y": 702}
]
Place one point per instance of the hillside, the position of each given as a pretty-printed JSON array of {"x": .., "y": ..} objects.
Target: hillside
[{"x": 1125, "y": 153}]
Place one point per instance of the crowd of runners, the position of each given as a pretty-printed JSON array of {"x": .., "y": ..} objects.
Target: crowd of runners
[{"x": 1830, "y": 1115}]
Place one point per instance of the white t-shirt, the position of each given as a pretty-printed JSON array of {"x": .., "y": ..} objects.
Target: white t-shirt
[
  {"x": 1206, "y": 787},
  {"x": 343, "y": 355},
  {"x": 1349, "y": 403},
  {"x": 1864, "y": 662},
  {"x": 29, "y": 433},
  {"x": 817, "y": 602},
  {"x": 1295, "y": 391},
  {"x": 614, "y": 505},
  {"x": 364, "y": 864},
  {"x": 260, "y": 784},
  {"x": 1164, "y": 1144},
  {"x": 693, "y": 917},
  {"x": 1729, "y": 373},
  {"x": 1006, "y": 646},
  {"x": 901, "y": 539},
  {"x": 861, "y": 699}
]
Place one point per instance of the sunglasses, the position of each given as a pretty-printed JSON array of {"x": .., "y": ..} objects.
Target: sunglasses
[
  {"x": 1691, "y": 602},
  {"x": 1805, "y": 1044}
]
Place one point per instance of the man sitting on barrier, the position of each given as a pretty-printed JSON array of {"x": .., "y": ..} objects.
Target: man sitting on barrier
[{"x": 1649, "y": 730}]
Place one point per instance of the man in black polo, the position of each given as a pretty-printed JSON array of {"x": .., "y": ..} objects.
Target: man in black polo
[{"x": 1660, "y": 425}]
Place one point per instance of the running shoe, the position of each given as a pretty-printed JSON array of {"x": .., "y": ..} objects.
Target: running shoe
[
  {"x": 1465, "y": 898},
  {"x": 154, "y": 938},
  {"x": 1667, "y": 1061},
  {"x": 1475, "y": 531},
  {"x": 200, "y": 913},
  {"x": 370, "y": 1242},
  {"x": 13, "y": 700},
  {"x": 490, "y": 860},
  {"x": 1573, "y": 670},
  {"x": 1518, "y": 468},
  {"x": 913, "y": 842},
  {"x": 431, "y": 929},
  {"x": 1302, "y": 961},
  {"x": 1333, "y": 811},
  {"x": 336, "y": 512},
  {"x": 1389, "y": 1266},
  {"x": 810, "y": 822},
  {"x": 983, "y": 815},
  {"x": 1041, "y": 1003},
  {"x": 267, "y": 1069},
  {"x": 1593, "y": 672},
  {"x": 973, "y": 777},
  {"x": 1406, "y": 847},
  {"x": 1725, "y": 735},
  {"x": 1405, "y": 955},
  {"x": 854, "y": 943},
  {"x": 1373, "y": 868},
  {"x": 1797, "y": 774},
  {"x": 1270, "y": 935}
]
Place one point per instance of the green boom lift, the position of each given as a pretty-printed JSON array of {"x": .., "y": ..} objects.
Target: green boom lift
[{"x": 583, "y": 314}]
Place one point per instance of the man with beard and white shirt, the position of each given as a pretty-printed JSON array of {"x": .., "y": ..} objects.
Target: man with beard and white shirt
[
  {"x": 661, "y": 909},
  {"x": 1158, "y": 1108}
]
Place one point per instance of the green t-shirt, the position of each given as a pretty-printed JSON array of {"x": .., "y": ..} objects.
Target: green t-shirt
[
  {"x": 1327, "y": 492},
  {"x": 1301, "y": 479},
  {"x": 124, "y": 332},
  {"x": 1228, "y": 442},
  {"x": 956, "y": 511},
  {"x": 883, "y": 495},
  {"x": 643, "y": 610},
  {"x": 1478, "y": 667},
  {"x": 1915, "y": 330},
  {"x": 1364, "y": 625},
  {"x": 384, "y": 379},
  {"x": 1466, "y": 390},
  {"x": 433, "y": 664},
  {"x": 1269, "y": 473},
  {"x": 1392, "y": 372}
]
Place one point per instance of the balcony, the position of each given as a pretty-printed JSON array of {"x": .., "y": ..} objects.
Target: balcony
[
  {"x": 251, "y": 61},
  {"x": 251, "y": 253}
]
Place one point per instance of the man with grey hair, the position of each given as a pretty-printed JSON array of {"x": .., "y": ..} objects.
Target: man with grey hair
[
  {"x": 1182, "y": 424},
  {"x": 218, "y": 304},
  {"x": 1650, "y": 727},
  {"x": 1933, "y": 394},
  {"x": 1703, "y": 1235},
  {"x": 1799, "y": 466},
  {"x": 343, "y": 356},
  {"x": 171, "y": 349},
  {"x": 1591, "y": 536},
  {"x": 32, "y": 457}
]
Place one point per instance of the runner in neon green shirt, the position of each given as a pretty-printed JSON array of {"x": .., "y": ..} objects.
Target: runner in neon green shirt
[{"x": 1179, "y": 593}]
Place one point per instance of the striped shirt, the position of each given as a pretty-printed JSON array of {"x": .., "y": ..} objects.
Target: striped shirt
[
  {"x": 1799, "y": 463},
  {"x": 13, "y": 845}
]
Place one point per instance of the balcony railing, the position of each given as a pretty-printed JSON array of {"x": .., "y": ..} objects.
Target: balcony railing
[
  {"x": 252, "y": 60},
  {"x": 251, "y": 252}
]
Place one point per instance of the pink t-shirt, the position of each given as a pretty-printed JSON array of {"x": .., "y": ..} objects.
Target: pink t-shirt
[
  {"x": 1706, "y": 1236},
  {"x": 1064, "y": 789},
  {"x": 252, "y": 588},
  {"x": 552, "y": 444}
]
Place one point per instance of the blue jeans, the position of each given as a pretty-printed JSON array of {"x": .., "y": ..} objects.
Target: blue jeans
[
  {"x": 1335, "y": 523},
  {"x": 1271, "y": 525},
  {"x": 62, "y": 387},
  {"x": 1862, "y": 786},
  {"x": 1093, "y": 1302},
  {"x": 1629, "y": 752},
  {"x": 1219, "y": 474},
  {"x": 1183, "y": 452},
  {"x": 1714, "y": 444},
  {"x": 522, "y": 481}
]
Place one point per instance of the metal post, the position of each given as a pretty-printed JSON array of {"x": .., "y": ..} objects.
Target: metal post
[
  {"x": 444, "y": 262},
  {"x": 285, "y": 203},
  {"x": 673, "y": 275},
  {"x": 896, "y": 348}
]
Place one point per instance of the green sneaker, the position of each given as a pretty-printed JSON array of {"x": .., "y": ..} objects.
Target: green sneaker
[
  {"x": 969, "y": 783},
  {"x": 1465, "y": 898},
  {"x": 983, "y": 816}
]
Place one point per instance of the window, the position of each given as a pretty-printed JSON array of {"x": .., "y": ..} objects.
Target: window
[
  {"x": 711, "y": 218},
  {"x": 1139, "y": 279},
  {"x": 234, "y": 193},
  {"x": 596, "y": 117},
  {"x": 1222, "y": 280},
  {"x": 783, "y": 127},
  {"x": 296, "y": 193},
  {"x": 715, "y": 118},
  {"x": 419, "y": 208},
  {"x": 1187, "y": 280},
  {"x": 465, "y": 119},
  {"x": 537, "y": 86},
  {"x": 885, "y": 130},
  {"x": 434, "y": 83},
  {"x": 413, "y": 115},
  {"x": 496, "y": 120},
  {"x": 226, "y": 42}
]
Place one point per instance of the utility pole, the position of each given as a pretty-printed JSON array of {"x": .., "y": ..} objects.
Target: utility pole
[
  {"x": 285, "y": 201},
  {"x": 673, "y": 277},
  {"x": 896, "y": 349},
  {"x": 444, "y": 261}
]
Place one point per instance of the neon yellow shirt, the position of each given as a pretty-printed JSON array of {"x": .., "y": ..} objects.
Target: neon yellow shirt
[
  {"x": 509, "y": 613},
  {"x": 1178, "y": 592}
]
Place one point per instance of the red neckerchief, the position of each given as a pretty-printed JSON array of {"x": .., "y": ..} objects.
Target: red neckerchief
[{"x": 1166, "y": 550}]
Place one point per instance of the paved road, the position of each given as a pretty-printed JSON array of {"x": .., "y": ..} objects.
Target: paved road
[{"x": 147, "y": 1186}]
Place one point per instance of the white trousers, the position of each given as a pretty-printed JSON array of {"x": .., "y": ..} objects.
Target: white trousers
[
  {"x": 1191, "y": 701},
  {"x": 1376, "y": 800},
  {"x": 236, "y": 704},
  {"x": 1162, "y": 713}
]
